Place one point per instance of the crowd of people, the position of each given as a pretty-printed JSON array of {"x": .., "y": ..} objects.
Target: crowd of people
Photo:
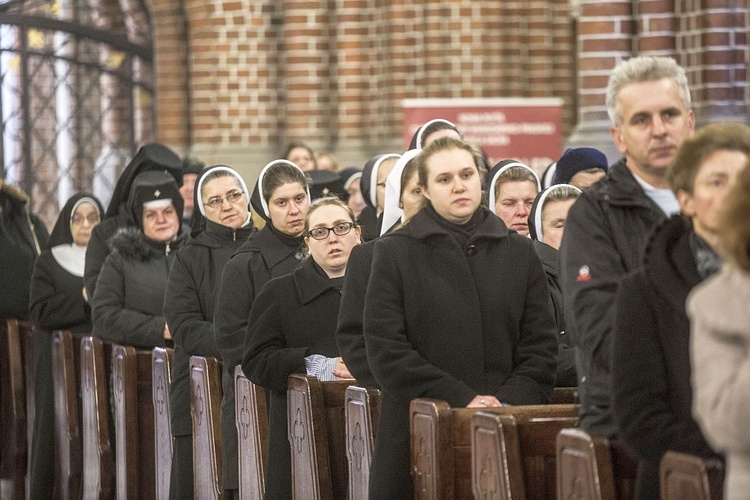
[{"x": 426, "y": 273}]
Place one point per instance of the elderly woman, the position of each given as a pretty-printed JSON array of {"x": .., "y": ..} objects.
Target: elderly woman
[
  {"x": 651, "y": 393},
  {"x": 221, "y": 224},
  {"x": 720, "y": 344},
  {"x": 512, "y": 187},
  {"x": 57, "y": 303},
  {"x": 129, "y": 298},
  {"x": 447, "y": 317},
  {"x": 293, "y": 324}
]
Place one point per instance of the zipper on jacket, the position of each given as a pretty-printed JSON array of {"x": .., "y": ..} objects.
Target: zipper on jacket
[{"x": 167, "y": 250}]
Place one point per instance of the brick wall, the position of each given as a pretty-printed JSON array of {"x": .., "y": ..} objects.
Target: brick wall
[{"x": 236, "y": 79}]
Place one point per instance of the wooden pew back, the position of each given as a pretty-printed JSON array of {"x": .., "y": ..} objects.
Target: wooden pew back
[
  {"x": 134, "y": 422},
  {"x": 316, "y": 434},
  {"x": 688, "y": 477},
  {"x": 66, "y": 386},
  {"x": 251, "y": 417},
  {"x": 163, "y": 441},
  {"x": 361, "y": 412},
  {"x": 514, "y": 457},
  {"x": 205, "y": 401},
  {"x": 441, "y": 444},
  {"x": 592, "y": 467},
  {"x": 98, "y": 461},
  {"x": 15, "y": 419}
]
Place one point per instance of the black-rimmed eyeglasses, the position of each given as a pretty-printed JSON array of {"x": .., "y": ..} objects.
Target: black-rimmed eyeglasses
[
  {"x": 217, "y": 201},
  {"x": 321, "y": 233}
]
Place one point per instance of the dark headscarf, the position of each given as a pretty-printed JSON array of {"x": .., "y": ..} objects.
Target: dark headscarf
[
  {"x": 535, "y": 214},
  {"x": 258, "y": 200},
  {"x": 490, "y": 180},
  {"x": 369, "y": 180},
  {"x": 418, "y": 138},
  {"x": 152, "y": 186},
  {"x": 326, "y": 183},
  {"x": 149, "y": 158},
  {"x": 199, "y": 216},
  {"x": 61, "y": 233}
]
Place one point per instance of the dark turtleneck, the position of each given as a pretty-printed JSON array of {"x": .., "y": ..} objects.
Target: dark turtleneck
[
  {"x": 460, "y": 232},
  {"x": 287, "y": 239},
  {"x": 336, "y": 283},
  {"x": 707, "y": 261}
]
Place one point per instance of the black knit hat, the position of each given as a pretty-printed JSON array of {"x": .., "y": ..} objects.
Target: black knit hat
[
  {"x": 576, "y": 160},
  {"x": 326, "y": 183},
  {"x": 152, "y": 186}
]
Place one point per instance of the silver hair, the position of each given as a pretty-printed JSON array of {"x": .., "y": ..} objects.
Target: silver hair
[{"x": 643, "y": 69}]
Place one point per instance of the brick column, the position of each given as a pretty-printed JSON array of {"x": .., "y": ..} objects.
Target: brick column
[
  {"x": 655, "y": 27},
  {"x": 306, "y": 63},
  {"x": 605, "y": 31}
]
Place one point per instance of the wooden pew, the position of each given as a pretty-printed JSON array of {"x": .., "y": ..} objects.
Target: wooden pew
[
  {"x": 28, "y": 340},
  {"x": 163, "y": 441},
  {"x": 14, "y": 451},
  {"x": 690, "y": 477},
  {"x": 251, "y": 416},
  {"x": 564, "y": 396},
  {"x": 316, "y": 434},
  {"x": 66, "y": 386},
  {"x": 441, "y": 444},
  {"x": 98, "y": 462},
  {"x": 592, "y": 467},
  {"x": 134, "y": 422},
  {"x": 362, "y": 407},
  {"x": 205, "y": 402},
  {"x": 513, "y": 456}
]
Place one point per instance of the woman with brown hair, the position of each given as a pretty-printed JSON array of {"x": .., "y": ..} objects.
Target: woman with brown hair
[
  {"x": 720, "y": 349},
  {"x": 447, "y": 317}
]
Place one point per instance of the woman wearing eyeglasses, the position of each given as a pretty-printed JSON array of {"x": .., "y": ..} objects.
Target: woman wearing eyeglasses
[
  {"x": 281, "y": 197},
  {"x": 57, "y": 303},
  {"x": 293, "y": 324},
  {"x": 221, "y": 224}
]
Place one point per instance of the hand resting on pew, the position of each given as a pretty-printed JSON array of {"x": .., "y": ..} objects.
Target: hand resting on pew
[
  {"x": 167, "y": 335},
  {"x": 484, "y": 401},
  {"x": 341, "y": 371}
]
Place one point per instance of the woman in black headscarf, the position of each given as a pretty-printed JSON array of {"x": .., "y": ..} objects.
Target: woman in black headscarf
[
  {"x": 57, "y": 303},
  {"x": 372, "y": 186},
  {"x": 281, "y": 197},
  {"x": 292, "y": 327},
  {"x": 221, "y": 223},
  {"x": 546, "y": 227},
  {"x": 151, "y": 157},
  {"x": 129, "y": 299}
]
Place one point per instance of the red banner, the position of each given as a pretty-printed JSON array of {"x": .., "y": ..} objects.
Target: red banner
[{"x": 526, "y": 130}]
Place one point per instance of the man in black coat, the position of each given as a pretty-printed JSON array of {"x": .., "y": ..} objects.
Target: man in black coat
[
  {"x": 607, "y": 228},
  {"x": 149, "y": 157},
  {"x": 652, "y": 396}
]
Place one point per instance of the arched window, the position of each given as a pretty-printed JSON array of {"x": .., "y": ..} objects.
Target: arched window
[{"x": 76, "y": 95}]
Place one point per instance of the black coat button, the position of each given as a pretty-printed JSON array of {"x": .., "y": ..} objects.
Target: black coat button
[{"x": 471, "y": 250}]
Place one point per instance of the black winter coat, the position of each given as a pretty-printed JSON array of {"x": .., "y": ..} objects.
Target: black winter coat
[
  {"x": 129, "y": 298},
  {"x": 651, "y": 392},
  {"x": 22, "y": 236},
  {"x": 349, "y": 336},
  {"x": 566, "y": 366},
  {"x": 605, "y": 235},
  {"x": 292, "y": 318},
  {"x": 447, "y": 322},
  {"x": 262, "y": 257},
  {"x": 189, "y": 309},
  {"x": 98, "y": 249},
  {"x": 57, "y": 298}
]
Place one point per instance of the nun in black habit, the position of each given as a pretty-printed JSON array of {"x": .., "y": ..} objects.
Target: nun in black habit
[
  {"x": 281, "y": 197},
  {"x": 221, "y": 224},
  {"x": 546, "y": 223},
  {"x": 56, "y": 303},
  {"x": 370, "y": 218}
]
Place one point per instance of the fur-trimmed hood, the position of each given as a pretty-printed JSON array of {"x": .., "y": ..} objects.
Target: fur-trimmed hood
[{"x": 132, "y": 244}]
